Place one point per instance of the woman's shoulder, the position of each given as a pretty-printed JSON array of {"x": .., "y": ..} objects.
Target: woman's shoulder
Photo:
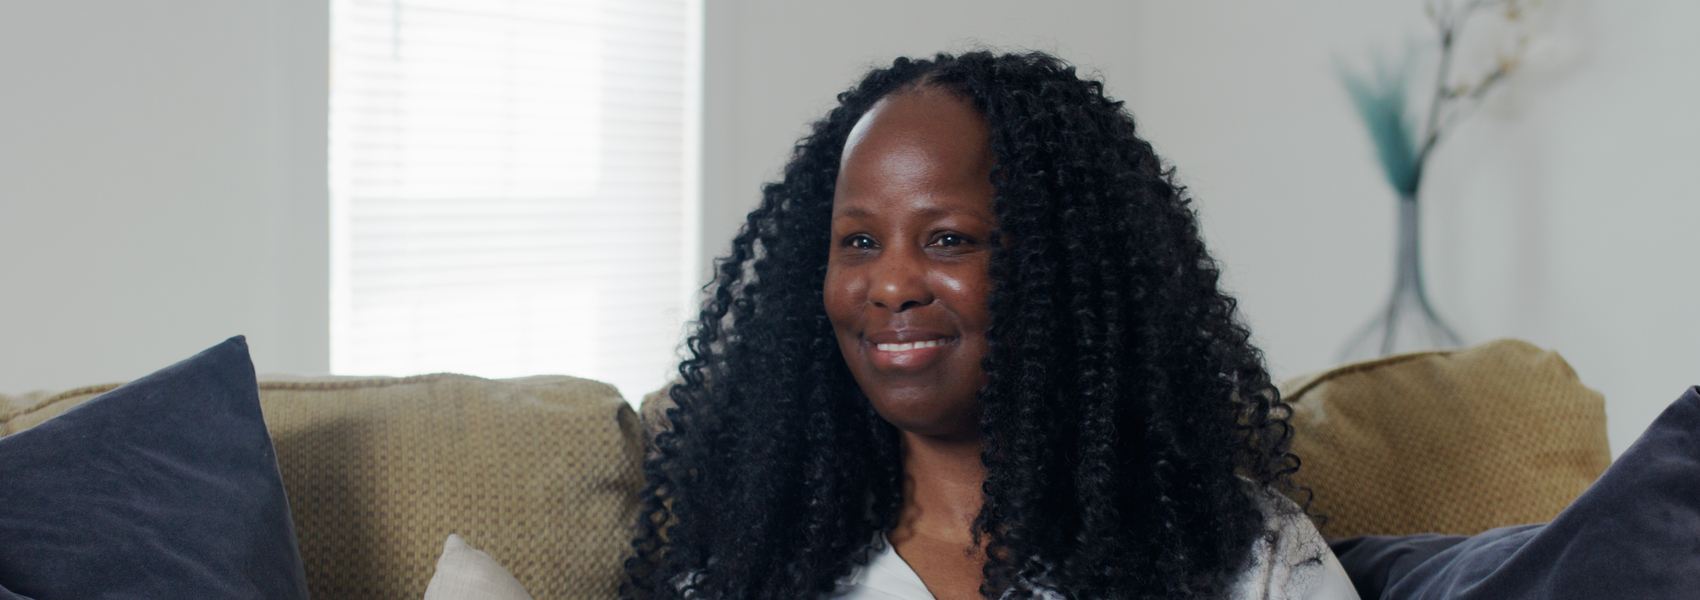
[{"x": 1292, "y": 560}]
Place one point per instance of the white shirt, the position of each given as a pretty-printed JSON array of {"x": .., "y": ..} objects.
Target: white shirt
[{"x": 1293, "y": 562}]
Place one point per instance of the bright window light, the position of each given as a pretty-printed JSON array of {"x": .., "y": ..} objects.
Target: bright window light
[{"x": 513, "y": 187}]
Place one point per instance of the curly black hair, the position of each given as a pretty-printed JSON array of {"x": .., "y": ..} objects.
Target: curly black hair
[{"x": 1129, "y": 424}]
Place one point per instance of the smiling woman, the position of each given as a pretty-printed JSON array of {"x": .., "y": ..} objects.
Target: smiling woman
[
  {"x": 906, "y": 286},
  {"x": 972, "y": 346},
  {"x": 908, "y": 273}
]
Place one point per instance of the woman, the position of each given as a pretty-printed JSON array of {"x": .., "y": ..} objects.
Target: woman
[{"x": 972, "y": 346}]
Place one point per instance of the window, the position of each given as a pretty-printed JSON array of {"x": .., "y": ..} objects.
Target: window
[{"x": 513, "y": 187}]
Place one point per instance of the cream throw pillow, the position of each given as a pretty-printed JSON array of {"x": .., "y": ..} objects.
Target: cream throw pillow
[{"x": 465, "y": 573}]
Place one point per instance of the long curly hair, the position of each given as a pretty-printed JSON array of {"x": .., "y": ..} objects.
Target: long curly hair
[{"x": 1129, "y": 425}]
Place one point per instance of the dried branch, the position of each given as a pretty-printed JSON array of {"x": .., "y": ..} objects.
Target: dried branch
[{"x": 1451, "y": 104}]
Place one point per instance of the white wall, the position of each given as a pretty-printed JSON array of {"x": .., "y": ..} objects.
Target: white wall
[
  {"x": 162, "y": 186},
  {"x": 1561, "y": 213}
]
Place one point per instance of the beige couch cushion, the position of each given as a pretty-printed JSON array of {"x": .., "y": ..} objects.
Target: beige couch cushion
[
  {"x": 1454, "y": 442},
  {"x": 540, "y": 473}
]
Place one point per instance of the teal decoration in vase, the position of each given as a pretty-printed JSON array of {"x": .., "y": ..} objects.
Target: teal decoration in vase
[{"x": 1409, "y": 322}]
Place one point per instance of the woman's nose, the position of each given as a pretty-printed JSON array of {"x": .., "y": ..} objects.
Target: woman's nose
[{"x": 899, "y": 283}]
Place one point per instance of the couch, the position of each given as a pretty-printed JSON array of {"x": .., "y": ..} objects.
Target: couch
[{"x": 541, "y": 472}]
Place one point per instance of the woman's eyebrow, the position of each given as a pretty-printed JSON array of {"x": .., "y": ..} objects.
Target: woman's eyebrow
[
  {"x": 853, "y": 212},
  {"x": 927, "y": 211}
]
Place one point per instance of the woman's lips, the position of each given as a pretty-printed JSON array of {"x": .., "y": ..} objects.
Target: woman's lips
[{"x": 909, "y": 355}]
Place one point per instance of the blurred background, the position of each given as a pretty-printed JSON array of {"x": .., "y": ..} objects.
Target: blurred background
[{"x": 516, "y": 187}]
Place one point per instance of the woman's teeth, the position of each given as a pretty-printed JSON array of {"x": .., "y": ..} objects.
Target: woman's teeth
[{"x": 908, "y": 346}]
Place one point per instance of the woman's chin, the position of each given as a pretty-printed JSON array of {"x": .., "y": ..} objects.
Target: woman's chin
[{"x": 931, "y": 420}]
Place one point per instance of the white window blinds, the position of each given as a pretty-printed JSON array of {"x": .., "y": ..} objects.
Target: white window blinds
[{"x": 509, "y": 187}]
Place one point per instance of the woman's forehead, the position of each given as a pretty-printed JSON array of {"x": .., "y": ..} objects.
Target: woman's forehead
[
  {"x": 921, "y": 119},
  {"x": 917, "y": 146}
]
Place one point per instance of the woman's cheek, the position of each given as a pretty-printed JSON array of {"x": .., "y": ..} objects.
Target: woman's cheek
[{"x": 843, "y": 295}]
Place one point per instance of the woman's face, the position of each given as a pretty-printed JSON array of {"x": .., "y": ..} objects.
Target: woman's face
[{"x": 907, "y": 276}]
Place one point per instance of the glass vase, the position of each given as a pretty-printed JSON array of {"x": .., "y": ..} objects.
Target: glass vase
[{"x": 1408, "y": 323}]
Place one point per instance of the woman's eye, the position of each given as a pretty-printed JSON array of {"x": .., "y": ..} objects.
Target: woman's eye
[
  {"x": 859, "y": 242},
  {"x": 951, "y": 239}
]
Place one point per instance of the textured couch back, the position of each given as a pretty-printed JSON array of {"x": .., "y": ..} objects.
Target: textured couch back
[
  {"x": 540, "y": 473},
  {"x": 1452, "y": 442}
]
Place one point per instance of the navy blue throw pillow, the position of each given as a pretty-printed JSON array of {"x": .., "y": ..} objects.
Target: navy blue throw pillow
[
  {"x": 1372, "y": 561},
  {"x": 1634, "y": 534},
  {"x": 166, "y": 487}
]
